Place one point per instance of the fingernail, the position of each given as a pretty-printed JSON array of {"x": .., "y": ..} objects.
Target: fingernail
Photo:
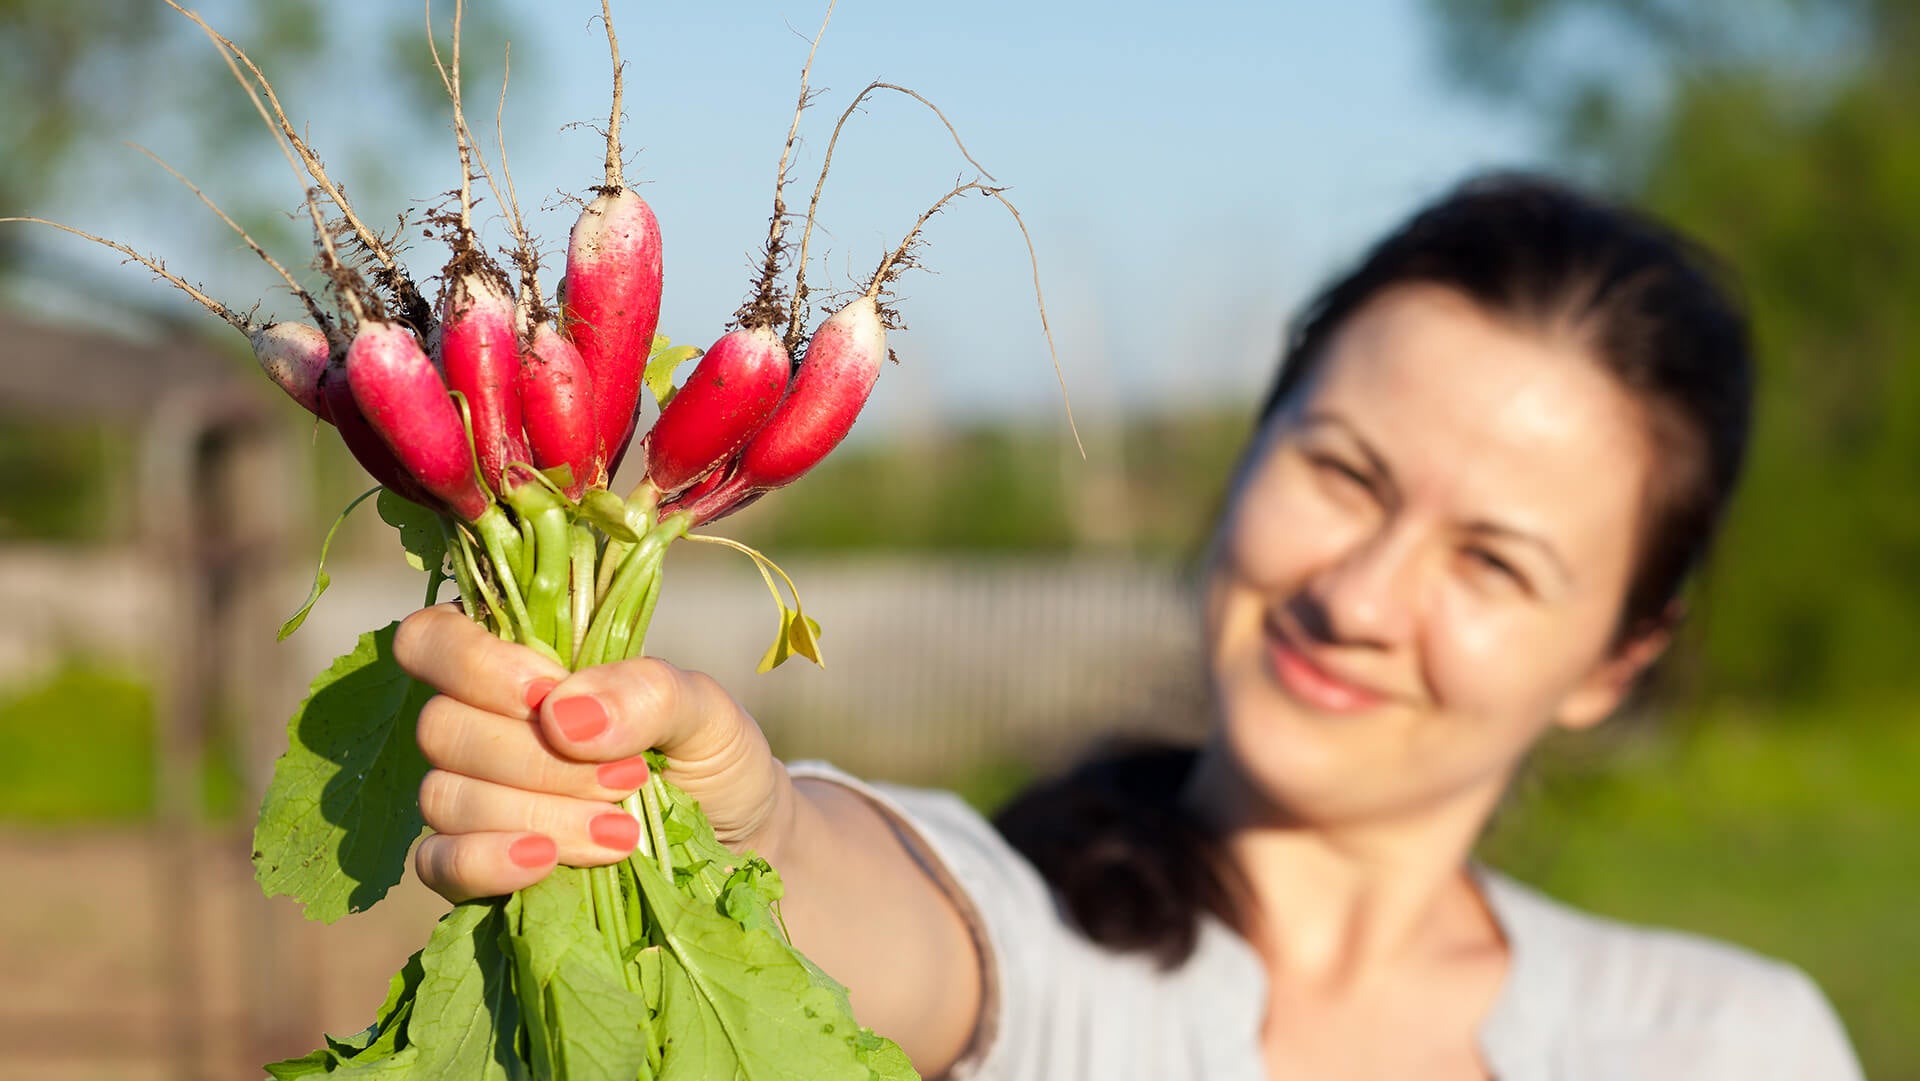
[
  {"x": 620, "y": 832},
  {"x": 536, "y": 851},
  {"x": 580, "y": 717},
  {"x": 538, "y": 690},
  {"x": 623, "y": 776}
]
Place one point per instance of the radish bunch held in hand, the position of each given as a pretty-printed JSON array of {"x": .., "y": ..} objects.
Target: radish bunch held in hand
[{"x": 493, "y": 419}]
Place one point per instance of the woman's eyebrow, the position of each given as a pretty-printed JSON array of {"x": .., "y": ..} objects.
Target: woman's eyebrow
[
  {"x": 1375, "y": 463},
  {"x": 1521, "y": 536},
  {"x": 1483, "y": 527}
]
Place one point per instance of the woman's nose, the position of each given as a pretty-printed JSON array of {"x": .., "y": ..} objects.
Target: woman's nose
[{"x": 1367, "y": 594}]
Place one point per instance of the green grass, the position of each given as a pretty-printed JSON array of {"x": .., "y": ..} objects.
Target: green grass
[
  {"x": 76, "y": 747},
  {"x": 1790, "y": 834}
]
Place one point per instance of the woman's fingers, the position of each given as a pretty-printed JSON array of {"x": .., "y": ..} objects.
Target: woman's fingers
[
  {"x": 442, "y": 648},
  {"x": 586, "y": 833},
  {"x": 463, "y": 866},
  {"x": 487, "y": 746},
  {"x": 615, "y": 711}
]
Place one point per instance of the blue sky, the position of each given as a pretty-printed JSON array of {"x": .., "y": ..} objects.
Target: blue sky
[{"x": 1189, "y": 171}]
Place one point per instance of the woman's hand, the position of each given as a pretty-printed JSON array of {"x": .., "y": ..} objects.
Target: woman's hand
[{"x": 528, "y": 758}]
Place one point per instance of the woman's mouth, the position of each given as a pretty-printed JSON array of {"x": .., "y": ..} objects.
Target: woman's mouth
[{"x": 1313, "y": 685}]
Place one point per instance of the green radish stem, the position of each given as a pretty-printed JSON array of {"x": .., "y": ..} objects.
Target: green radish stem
[
  {"x": 611, "y": 559},
  {"x": 584, "y": 550},
  {"x": 601, "y": 881},
  {"x": 632, "y": 569},
  {"x": 657, "y": 822},
  {"x": 628, "y": 605},
  {"x": 547, "y": 594},
  {"x": 496, "y": 612},
  {"x": 644, "y": 617},
  {"x": 492, "y": 527},
  {"x": 525, "y": 554},
  {"x": 634, "y": 805},
  {"x": 470, "y": 600}
]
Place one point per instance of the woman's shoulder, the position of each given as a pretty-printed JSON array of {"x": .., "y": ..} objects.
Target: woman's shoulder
[
  {"x": 1057, "y": 1004},
  {"x": 1608, "y": 983}
]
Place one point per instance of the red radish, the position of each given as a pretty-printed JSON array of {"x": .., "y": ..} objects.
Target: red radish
[
  {"x": 338, "y": 408},
  {"x": 612, "y": 290},
  {"x": 293, "y": 355},
  {"x": 729, "y": 396},
  {"x": 837, "y": 373},
  {"x": 479, "y": 353},
  {"x": 556, "y": 396},
  {"x": 404, "y": 399}
]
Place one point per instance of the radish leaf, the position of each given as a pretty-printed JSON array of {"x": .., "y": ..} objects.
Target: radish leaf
[
  {"x": 342, "y": 810},
  {"x": 594, "y": 1026},
  {"x": 464, "y": 1014},
  {"x": 751, "y": 989},
  {"x": 421, "y": 535},
  {"x": 799, "y": 635},
  {"x": 321, "y": 580},
  {"x": 661, "y": 365},
  {"x": 609, "y": 512}
]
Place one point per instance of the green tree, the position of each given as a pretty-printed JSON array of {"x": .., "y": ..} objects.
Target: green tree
[
  {"x": 1781, "y": 133},
  {"x": 78, "y": 76}
]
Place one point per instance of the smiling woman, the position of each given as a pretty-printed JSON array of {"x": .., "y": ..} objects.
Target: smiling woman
[{"x": 1493, "y": 456}]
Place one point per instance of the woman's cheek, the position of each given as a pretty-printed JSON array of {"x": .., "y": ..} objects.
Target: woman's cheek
[
  {"x": 1486, "y": 660},
  {"x": 1281, "y": 533}
]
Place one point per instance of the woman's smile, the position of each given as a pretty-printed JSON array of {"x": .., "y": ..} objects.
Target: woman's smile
[{"x": 1314, "y": 682}]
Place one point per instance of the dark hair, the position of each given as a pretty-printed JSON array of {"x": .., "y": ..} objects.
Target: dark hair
[{"x": 1132, "y": 869}]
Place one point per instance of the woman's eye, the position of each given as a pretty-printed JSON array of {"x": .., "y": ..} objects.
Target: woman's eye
[
  {"x": 1493, "y": 564},
  {"x": 1342, "y": 471}
]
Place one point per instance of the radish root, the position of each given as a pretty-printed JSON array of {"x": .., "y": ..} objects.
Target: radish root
[
  {"x": 233, "y": 319},
  {"x": 901, "y": 258},
  {"x": 796, "y": 319},
  {"x": 390, "y": 275},
  {"x": 320, "y": 316},
  {"x": 531, "y": 302},
  {"x": 764, "y": 307},
  {"x": 346, "y": 283},
  {"x": 616, "y": 180}
]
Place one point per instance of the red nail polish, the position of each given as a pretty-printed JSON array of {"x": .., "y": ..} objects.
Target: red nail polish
[
  {"x": 624, "y": 775},
  {"x": 538, "y": 690},
  {"x": 536, "y": 851},
  {"x": 620, "y": 832},
  {"x": 580, "y": 717}
]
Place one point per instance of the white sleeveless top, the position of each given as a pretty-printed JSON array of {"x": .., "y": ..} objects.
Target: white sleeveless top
[{"x": 1586, "y": 998}]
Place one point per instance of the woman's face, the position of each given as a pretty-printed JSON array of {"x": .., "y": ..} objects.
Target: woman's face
[{"x": 1424, "y": 566}]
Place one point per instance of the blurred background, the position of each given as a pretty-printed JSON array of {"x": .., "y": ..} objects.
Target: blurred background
[{"x": 990, "y": 600}]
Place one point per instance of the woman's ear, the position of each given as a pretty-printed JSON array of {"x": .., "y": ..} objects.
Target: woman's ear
[{"x": 1596, "y": 697}]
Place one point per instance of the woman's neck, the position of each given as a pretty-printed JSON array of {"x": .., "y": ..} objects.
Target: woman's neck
[{"x": 1330, "y": 904}]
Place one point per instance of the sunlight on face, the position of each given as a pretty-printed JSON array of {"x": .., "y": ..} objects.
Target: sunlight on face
[{"x": 1425, "y": 566}]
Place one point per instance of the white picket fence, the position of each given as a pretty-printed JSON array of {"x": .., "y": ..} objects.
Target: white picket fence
[{"x": 933, "y": 664}]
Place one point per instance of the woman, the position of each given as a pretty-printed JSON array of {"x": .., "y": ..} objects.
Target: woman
[{"x": 1495, "y": 452}]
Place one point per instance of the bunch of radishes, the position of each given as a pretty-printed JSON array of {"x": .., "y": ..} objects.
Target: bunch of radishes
[{"x": 493, "y": 418}]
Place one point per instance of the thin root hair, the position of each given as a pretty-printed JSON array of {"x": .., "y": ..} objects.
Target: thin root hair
[
  {"x": 800, "y": 291},
  {"x": 406, "y": 296},
  {"x": 232, "y": 318},
  {"x": 1066, "y": 400},
  {"x": 320, "y": 317},
  {"x": 765, "y": 307}
]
